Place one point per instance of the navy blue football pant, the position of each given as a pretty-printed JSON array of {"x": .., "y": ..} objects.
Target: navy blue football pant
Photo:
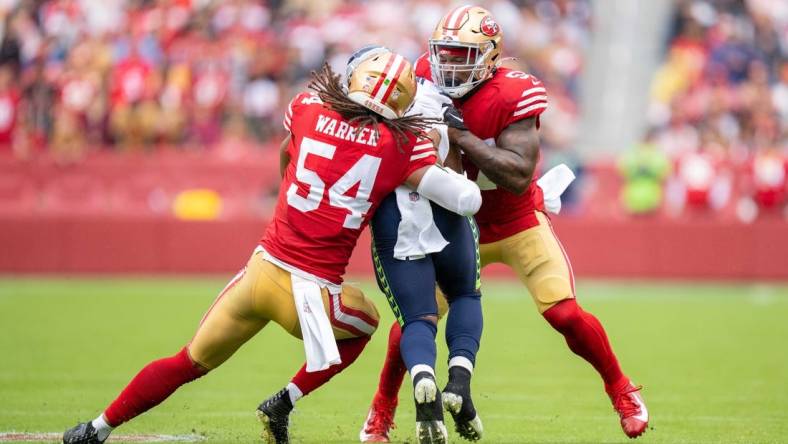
[{"x": 409, "y": 285}]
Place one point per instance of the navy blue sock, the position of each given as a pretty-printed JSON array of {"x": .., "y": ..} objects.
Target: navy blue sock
[
  {"x": 418, "y": 343},
  {"x": 464, "y": 327}
]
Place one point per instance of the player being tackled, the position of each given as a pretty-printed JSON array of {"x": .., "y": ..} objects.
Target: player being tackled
[
  {"x": 496, "y": 125},
  {"x": 417, "y": 244}
]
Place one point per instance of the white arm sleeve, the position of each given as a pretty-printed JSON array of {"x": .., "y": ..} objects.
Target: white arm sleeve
[{"x": 450, "y": 190}]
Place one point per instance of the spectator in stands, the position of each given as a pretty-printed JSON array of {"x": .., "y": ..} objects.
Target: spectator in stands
[
  {"x": 174, "y": 101},
  {"x": 134, "y": 111},
  {"x": 644, "y": 170},
  {"x": 9, "y": 107},
  {"x": 68, "y": 142},
  {"x": 768, "y": 171},
  {"x": 780, "y": 94},
  {"x": 162, "y": 88},
  {"x": 720, "y": 101}
]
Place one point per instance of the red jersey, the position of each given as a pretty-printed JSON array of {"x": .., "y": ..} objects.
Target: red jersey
[
  {"x": 769, "y": 170},
  {"x": 130, "y": 81},
  {"x": 504, "y": 99},
  {"x": 337, "y": 177},
  {"x": 9, "y": 113}
]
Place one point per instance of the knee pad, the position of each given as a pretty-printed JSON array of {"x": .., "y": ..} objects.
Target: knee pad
[{"x": 551, "y": 290}]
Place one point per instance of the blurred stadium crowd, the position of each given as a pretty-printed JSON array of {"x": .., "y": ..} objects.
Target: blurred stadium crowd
[
  {"x": 719, "y": 112},
  {"x": 83, "y": 76},
  {"x": 132, "y": 74}
]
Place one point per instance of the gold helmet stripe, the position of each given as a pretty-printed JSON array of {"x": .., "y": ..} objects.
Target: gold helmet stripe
[
  {"x": 382, "y": 77},
  {"x": 394, "y": 81},
  {"x": 391, "y": 72},
  {"x": 454, "y": 20}
]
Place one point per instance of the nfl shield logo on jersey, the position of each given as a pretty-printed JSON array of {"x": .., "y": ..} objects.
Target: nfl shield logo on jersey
[
  {"x": 489, "y": 27},
  {"x": 414, "y": 196}
]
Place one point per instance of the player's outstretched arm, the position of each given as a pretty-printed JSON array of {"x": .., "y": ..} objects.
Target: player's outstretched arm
[
  {"x": 447, "y": 189},
  {"x": 511, "y": 163}
]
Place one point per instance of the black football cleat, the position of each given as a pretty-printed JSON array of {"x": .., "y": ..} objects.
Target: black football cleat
[
  {"x": 457, "y": 401},
  {"x": 83, "y": 433},
  {"x": 274, "y": 413},
  {"x": 430, "y": 428}
]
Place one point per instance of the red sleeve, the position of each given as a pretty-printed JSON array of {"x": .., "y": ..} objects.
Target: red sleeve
[
  {"x": 526, "y": 97},
  {"x": 288, "y": 120},
  {"x": 423, "y": 154},
  {"x": 299, "y": 101}
]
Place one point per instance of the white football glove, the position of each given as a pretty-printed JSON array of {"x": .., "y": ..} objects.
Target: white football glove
[
  {"x": 429, "y": 102},
  {"x": 553, "y": 184}
]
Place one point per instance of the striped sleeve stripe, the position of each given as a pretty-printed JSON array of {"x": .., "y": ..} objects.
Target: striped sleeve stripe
[
  {"x": 540, "y": 105},
  {"x": 423, "y": 146},
  {"x": 539, "y": 89},
  {"x": 421, "y": 155},
  {"x": 532, "y": 100},
  {"x": 289, "y": 114}
]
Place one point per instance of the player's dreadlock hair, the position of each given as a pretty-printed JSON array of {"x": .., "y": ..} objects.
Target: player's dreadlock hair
[{"x": 327, "y": 85}]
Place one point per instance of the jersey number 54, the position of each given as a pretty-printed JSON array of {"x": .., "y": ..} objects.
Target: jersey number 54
[{"x": 364, "y": 172}]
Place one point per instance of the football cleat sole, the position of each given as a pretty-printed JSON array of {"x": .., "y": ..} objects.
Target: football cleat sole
[
  {"x": 431, "y": 432},
  {"x": 470, "y": 430},
  {"x": 267, "y": 435}
]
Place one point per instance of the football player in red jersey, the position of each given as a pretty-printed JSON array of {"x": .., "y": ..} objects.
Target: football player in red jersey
[
  {"x": 497, "y": 129},
  {"x": 346, "y": 151}
]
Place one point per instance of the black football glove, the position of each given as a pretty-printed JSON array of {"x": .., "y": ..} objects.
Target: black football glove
[{"x": 453, "y": 118}]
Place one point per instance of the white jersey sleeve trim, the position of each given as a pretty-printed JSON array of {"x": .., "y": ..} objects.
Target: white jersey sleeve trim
[
  {"x": 532, "y": 100},
  {"x": 421, "y": 155},
  {"x": 538, "y": 89},
  {"x": 541, "y": 105}
]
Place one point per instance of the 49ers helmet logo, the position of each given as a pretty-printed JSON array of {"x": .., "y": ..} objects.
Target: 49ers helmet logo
[{"x": 489, "y": 27}]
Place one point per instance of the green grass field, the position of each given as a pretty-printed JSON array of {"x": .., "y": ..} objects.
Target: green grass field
[{"x": 713, "y": 359}]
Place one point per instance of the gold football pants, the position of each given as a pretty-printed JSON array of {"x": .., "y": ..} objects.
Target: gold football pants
[
  {"x": 260, "y": 293},
  {"x": 539, "y": 260}
]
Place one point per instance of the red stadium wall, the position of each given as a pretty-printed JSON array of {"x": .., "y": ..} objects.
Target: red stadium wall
[
  {"x": 105, "y": 215},
  {"x": 642, "y": 248}
]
